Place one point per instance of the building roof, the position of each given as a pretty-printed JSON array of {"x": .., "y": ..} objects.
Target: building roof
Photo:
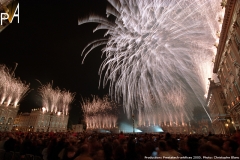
[
  {"x": 25, "y": 114},
  {"x": 224, "y": 32}
]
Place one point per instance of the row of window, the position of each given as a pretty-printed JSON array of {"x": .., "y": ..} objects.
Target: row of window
[{"x": 229, "y": 71}]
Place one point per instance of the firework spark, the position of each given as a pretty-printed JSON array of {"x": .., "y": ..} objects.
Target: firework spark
[
  {"x": 158, "y": 54},
  {"x": 12, "y": 89},
  {"x": 99, "y": 113},
  {"x": 55, "y": 100}
]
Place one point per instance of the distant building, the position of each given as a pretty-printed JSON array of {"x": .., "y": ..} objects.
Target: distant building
[
  {"x": 203, "y": 127},
  {"x": 7, "y": 116},
  {"x": 227, "y": 61},
  {"x": 21, "y": 122},
  {"x": 175, "y": 128},
  {"x": 40, "y": 121},
  {"x": 216, "y": 102}
]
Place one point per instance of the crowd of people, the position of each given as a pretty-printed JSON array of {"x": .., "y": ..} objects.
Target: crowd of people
[{"x": 122, "y": 146}]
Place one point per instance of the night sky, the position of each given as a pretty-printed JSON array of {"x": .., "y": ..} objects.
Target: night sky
[{"x": 47, "y": 46}]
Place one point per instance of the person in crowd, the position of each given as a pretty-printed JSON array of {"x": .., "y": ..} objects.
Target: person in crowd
[
  {"x": 121, "y": 136},
  {"x": 2, "y": 142},
  {"x": 191, "y": 146},
  {"x": 230, "y": 147},
  {"x": 209, "y": 150},
  {"x": 27, "y": 146},
  {"x": 130, "y": 153},
  {"x": 118, "y": 153},
  {"x": 9, "y": 145},
  {"x": 163, "y": 149},
  {"x": 84, "y": 153},
  {"x": 70, "y": 153},
  {"x": 108, "y": 151},
  {"x": 171, "y": 149},
  {"x": 97, "y": 146}
]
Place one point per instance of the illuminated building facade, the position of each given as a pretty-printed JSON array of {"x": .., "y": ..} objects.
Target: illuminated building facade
[
  {"x": 7, "y": 116},
  {"x": 41, "y": 121},
  {"x": 216, "y": 102},
  {"x": 227, "y": 61}
]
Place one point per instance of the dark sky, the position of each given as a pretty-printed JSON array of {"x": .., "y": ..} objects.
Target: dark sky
[{"x": 47, "y": 45}]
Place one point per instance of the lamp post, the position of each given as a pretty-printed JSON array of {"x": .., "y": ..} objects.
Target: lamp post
[
  {"x": 227, "y": 128},
  {"x": 133, "y": 123}
]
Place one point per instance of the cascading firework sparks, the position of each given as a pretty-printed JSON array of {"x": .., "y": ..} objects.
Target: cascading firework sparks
[
  {"x": 55, "y": 100},
  {"x": 12, "y": 90},
  {"x": 99, "y": 113},
  {"x": 158, "y": 55}
]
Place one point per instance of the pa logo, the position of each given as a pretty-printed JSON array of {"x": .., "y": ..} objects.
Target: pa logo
[{"x": 11, "y": 11}]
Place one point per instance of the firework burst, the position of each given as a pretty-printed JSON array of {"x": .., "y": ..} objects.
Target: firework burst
[
  {"x": 99, "y": 113},
  {"x": 12, "y": 89},
  {"x": 158, "y": 55},
  {"x": 55, "y": 100}
]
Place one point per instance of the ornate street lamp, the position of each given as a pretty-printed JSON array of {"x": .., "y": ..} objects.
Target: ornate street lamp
[{"x": 227, "y": 128}]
